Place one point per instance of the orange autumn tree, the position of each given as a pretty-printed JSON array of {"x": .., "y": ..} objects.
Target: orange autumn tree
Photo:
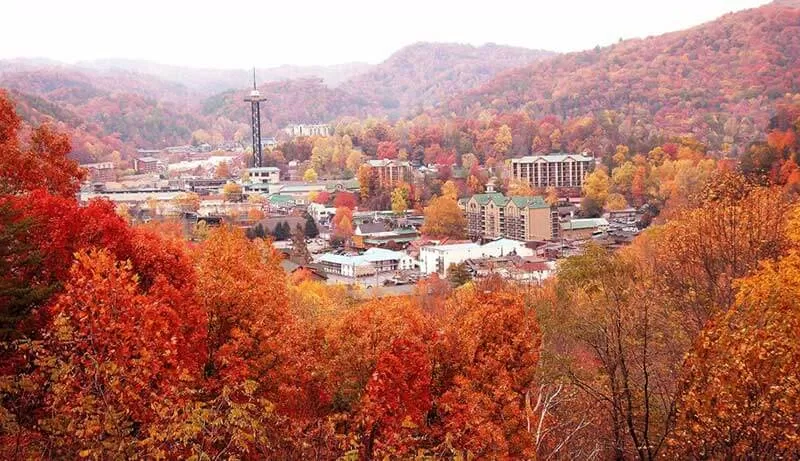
[
  {"x": 240, "y": 408},
  {"x": 364, "y": 346},
  {"x": 443, "y": 218},
  {"x": 488, "y": 356},
  {"x": 342, "y": 223},
  {"x": 740, "y": 394},
  {"x": 112, "y": 347},
  {"x": 397, "y": 400}
]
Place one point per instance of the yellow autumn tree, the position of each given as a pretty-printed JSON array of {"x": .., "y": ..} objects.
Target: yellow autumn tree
[
  {"x": 443, "y": 218},
  {"x": 310, "y": 175},
  {"x": 449, "y": 189}
]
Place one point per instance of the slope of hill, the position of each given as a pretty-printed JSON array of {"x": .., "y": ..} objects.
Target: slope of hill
[
  {"x": 717, "y": 81},
  {"x": 289, "y": 101},
  {"x": 427, "y": 73},
  {"x": 211, "y": 81},
  {"x": 105, "y": 111}
]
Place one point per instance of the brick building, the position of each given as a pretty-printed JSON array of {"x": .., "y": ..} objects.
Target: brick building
[
  {"x": 146, "y": 165},
  {"x": 100, "y": 172}
]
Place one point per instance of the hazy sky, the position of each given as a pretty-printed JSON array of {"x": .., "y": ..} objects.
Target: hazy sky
[{"x": 239, "y": 33}]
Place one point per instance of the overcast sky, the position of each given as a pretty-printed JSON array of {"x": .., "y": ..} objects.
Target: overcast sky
[{"x": 240, "y": 34}]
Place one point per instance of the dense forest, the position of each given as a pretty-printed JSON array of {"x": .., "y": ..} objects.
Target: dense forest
[{"x": 717, "y": 82}]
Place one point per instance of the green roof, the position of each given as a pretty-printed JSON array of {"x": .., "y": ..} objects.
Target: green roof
[
  {"x": 530, "y": 202},
  {"x": 496, "y": 197},
  {"x": 347, "y": 184},
  {"x": 278, "y": 199},
  {"x": 501, "y": 200}
]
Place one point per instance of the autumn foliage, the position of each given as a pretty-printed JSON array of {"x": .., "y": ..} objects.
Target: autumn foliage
[{"x": 121, "y": 342}]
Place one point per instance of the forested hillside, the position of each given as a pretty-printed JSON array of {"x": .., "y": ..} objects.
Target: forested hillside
[
  {"x": 425, "y": 74},
  {"x": 108, "y": 111},
  {"x": 717, "y": 81}
]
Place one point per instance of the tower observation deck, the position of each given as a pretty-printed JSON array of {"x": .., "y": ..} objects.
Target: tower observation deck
[{"x": 255, "y": 99}]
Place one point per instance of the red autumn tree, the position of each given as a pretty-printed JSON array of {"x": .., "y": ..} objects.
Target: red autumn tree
[
  {"x": 398, "y": 397},
  {"x": 42, "y": 165},
  {"x": 387, "y": 149},
  {"x": 345, "y": 199}
]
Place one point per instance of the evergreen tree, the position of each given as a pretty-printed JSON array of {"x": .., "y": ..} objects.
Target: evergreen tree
[
  {"x": 282, "y": 231},
  {"x": 458, "y": 274},
  {"x": 311, "y": 230}
]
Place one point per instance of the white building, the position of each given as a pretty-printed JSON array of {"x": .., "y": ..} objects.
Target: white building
[
  {"x": 438, "y": 258},
  {"x": 374, "y": 260},
  {"x": 557, "y": 170},
  {"x": 264, "y": 175},
  {"x": 320, "y": 212},
  {"x": 319, "y": 129}
]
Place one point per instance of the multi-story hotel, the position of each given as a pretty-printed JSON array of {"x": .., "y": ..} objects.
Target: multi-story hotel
[
  {"x": 320, "y": 129},
  {"x": 389, "y": 172},
  {"x": 557, "y": 170},
  {"x": 493, "y": 215}
]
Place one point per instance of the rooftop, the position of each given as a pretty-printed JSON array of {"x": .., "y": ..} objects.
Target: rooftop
[
  {"x": 369, "y": 256},
  {"x": 587, "y": 223},
  {"x": 454, "y": 246},
  {"x": 264, "y": 168},
  {"x": 553, "y": 158},
  {"x": 387, "y": 162}
]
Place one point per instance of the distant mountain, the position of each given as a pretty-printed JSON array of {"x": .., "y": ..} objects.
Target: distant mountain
[
  {"x": 718, "y": 81},
  {"x": 425, "y": 74},
  {"x": 104, "y": 111},
  {"x": 417, "y": 76},
  {"x": 210, "y": 81}
]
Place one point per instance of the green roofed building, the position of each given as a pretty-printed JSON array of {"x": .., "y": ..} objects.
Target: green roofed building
[{"x": 493, "y": 215}]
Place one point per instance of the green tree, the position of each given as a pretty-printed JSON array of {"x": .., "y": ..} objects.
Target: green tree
[
  {"x": 311, "y": 229},
  {"x": 458, "y": 274}
]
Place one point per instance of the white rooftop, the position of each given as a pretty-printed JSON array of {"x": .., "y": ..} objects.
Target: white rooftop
[{"x": 553, "y": 158}]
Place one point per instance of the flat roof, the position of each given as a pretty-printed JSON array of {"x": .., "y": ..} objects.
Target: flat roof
[{"x": 553, "y": 158}]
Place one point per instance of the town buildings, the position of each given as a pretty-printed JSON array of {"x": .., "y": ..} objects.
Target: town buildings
[
  {"x": 372, "y": 261},
  {"x": 264, "y": 175},
  {"x": 389, "y": 171},
  {"x": 493, "y": 215},
  {"x": 372, "y": 234},
  {"x": 578, "y": 229},
  {"x": 145, "y": 165},
  {"x": 557, "y": 170},
  {"x": 100, "y": 172},
  {"x": 438, "y": 258}
]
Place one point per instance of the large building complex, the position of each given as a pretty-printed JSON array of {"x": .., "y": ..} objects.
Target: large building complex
[
  {"x": 439, "y": 258},
  {"x": 145, "y": 165},
  {"x": 319, "y": 129},
  {"x": 390, "y": 172},
  {"x": 493, "y": 215},
  {"x": 557, "y": 170},
  {"x": 100, "y": 172},
  {"x": 374, "y": 260}
]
